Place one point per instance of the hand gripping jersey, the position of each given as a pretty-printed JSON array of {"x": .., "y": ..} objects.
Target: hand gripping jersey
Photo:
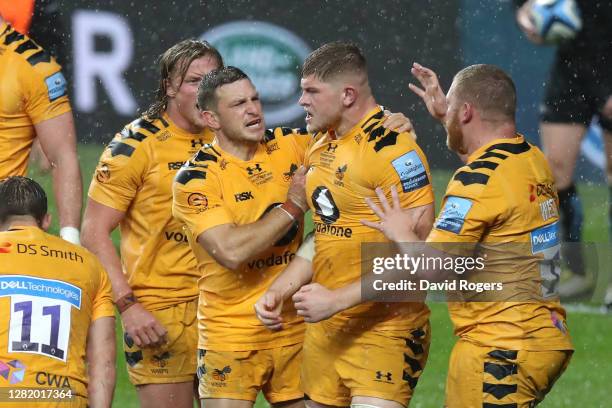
[
  {"x": 505, "y": 195},
  {"x": 342, "y": 174},
  {"x": 135, "y": 176},
  {"x": 32, "y": 90},
  {"x": 215, "y": 188},
  {"x": 50, "y": 293}
]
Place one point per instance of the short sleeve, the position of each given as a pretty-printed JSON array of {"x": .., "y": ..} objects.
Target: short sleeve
[
  {"x": 119, "y": 174},
  {"x": 403, "y": 165},
  {"x": 198, "y": 200},
  {"x": 45, "y": 91},
  {"x": 103, "y": 299}
]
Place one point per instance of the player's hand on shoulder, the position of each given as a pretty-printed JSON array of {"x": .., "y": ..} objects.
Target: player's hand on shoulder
[
  {"x": 525, "y": 23},
  {"x": 397, "y": 122},
  {"x": 143, "y": 327},
  {"x": 314, "y": 302},
  {"x": 297, "y": 189},
  {"x": 431, "y": 93},
  {"x": 268, "y": 310}
]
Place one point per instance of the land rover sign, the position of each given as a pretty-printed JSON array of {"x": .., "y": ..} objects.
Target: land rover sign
[{"x": 272, "y": 57}]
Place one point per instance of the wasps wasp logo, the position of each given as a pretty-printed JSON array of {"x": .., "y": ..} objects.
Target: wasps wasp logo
[{"x": 221, "y": 375}]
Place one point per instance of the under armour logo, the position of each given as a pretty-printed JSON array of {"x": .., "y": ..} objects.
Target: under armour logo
[
  {"x": 197, "y": 143},
  {"x": 332, "y": 147},
  {"x": 380, "y": 375},
  {"x": 253, "y": 170}
]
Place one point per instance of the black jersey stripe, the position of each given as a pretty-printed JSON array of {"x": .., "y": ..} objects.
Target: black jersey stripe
[
  {"x": 514, "y": 148},
  {"x": 488, "y": 155},
  {"x": 499, "y": 391},
  {"x": 389, "y": 139},
  {"x": 25, "y": 46},
  {"x": 483, "y": 164},
  {"x": 468, "y": 178},
  {"x": 38, "y": 57},
  {"x": 184, "y": 176},
  {"x": 120, "y": 149},
  {"x": 203, "y": 156},
  {"x": 12, "y": 37},
  {"x": 145, "y": 124}
]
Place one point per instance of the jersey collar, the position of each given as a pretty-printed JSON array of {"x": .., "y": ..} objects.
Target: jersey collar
[
  {"x": 375, "y": 113},
  {"x": 176, "y": 130}
]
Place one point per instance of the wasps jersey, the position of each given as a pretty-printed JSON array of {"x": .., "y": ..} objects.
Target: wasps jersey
[
  {"x": 135, "y": 176},
  {"x": 50, "y": 293},
  {"x": 215, "y": 188},
  {"x": 504, "y": 198},
  {"x": 33, "y": 90},
  {"x": 342, "y": 173}
]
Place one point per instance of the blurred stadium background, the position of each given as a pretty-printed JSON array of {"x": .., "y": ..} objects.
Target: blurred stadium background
[{"x": 109, "y": 50}]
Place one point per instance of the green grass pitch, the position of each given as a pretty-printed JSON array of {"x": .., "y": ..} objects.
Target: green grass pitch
[{"x": 584, "y": 384}]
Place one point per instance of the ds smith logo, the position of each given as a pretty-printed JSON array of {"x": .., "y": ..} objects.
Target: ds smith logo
[{"x": 272, "y": 57}]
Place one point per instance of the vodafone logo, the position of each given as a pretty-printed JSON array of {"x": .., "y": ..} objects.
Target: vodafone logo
[{"x": 5, "y": 247}]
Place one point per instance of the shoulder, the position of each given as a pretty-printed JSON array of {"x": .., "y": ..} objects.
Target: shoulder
[
  {"x": 136, "y": 134},
  {"x": 202, "y": 165},
  {"x": 34, "y": 59}
]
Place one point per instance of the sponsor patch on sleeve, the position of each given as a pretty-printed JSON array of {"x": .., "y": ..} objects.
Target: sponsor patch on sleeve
[
  {"x": 453, "y": 214},
  {"x": 411, "y": 171},
  {"x": 56, "y": 86},
  {"x": 544, "y": 238}
]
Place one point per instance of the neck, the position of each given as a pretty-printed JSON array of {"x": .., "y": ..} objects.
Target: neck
[
  {"x": 242, "y": 150},
  {"x": 354, "y": 114},
  {"x": 482, "y": 135},
  {"x": 179, "y": 120},
  {"x": 18, "y": 221}
]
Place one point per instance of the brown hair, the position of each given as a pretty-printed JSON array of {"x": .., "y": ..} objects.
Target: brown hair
[
  {"x": 176, "y": 61},
  {"x": 334, "y": 58},
  {"x": 489, "y": 89},
  {"x": 22, "y": 196},
  {"x": 207, "y": 98}
]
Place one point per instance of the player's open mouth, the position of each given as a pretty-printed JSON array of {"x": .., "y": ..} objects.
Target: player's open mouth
[
  {"x": 308, "y": 116},
  {"x": 254, "y": 123}
]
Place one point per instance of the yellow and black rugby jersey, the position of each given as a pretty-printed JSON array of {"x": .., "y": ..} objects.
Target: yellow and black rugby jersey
[
  {"x": 215, "y": 188},
  {"x": 342, "y": 173},
  {"x": 506, "y": 194},
  {"x": 32, "y": 90},
  {"x": 135, "y": 176},
  {"x": 50, "y": 293}
]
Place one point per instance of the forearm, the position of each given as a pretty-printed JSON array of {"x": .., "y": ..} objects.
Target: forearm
[
  {"x": 100, "y": 243},
  {"x": 101, "y": 362},
  {"x": 233, "y": 245},
  {"x": 296, "y": 275},
  {"x": 67, "y": 186}
]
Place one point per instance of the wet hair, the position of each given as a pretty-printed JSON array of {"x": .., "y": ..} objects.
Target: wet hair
[
  {"x": 489, "y": 89},
  {"x": 333, "y": 59},
  {"x": 207, "y": 95},
  {"x": 22, "y": 196},
  {"x": 176, "y": 61}
]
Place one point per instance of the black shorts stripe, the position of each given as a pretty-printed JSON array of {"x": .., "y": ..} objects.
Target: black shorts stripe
[
  {"x": 500, "y": 371},
  {"x": 499, "y": 391},
  {"x": 415, "y": 347},
  {"x": 467, "y": 178},
  {"x": 120, "y": 149},
  {"x": 483, "y": 164},
  {"x": 132, "y": 358},
  {"x": 514, "y": 148},
  {"x": 504, "y": 354},
  {"x": 489, "y": 405},
  {"x": 412, "y": 381},
  {"x": 184, "y": 176}
]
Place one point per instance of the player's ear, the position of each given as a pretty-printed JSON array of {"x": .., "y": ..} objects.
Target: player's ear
[
  {"x": 170, "y": 91},
  {"x": 349, "y": 95},
  {"x": 467, "y": 112},
  {"x": 211, "y": 119},
  {"x": 45, "y": 222}
]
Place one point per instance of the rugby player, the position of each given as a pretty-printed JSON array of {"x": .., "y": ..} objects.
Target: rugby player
[
  {"x": 35, "y": 104},
  {"x": 155, "y": 281},
  {"x": 58, "y": 321},
  {"x": 508, "y": 353}
]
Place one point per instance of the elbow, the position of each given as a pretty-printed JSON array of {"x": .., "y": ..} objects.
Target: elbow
[{"x": 228, "y": 258}]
